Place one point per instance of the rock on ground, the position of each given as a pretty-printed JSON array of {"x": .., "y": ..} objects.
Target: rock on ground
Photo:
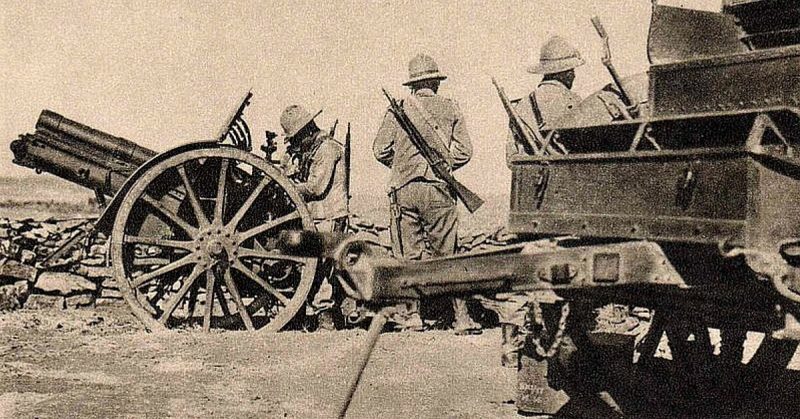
[
  {"x": 80, "y": 300},
  {"x": 12, "y": 296},
  {"x": 64, "y": 283},
  {"x": 41, "y": 301},
  {"x": 11, "y": 271}
]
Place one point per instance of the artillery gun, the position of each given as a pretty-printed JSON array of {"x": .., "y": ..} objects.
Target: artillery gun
[
  {"x": 691, "y": 209},
  {"x": 192, "y": 230}
]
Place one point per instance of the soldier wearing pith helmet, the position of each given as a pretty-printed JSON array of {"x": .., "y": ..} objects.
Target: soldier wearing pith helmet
[
  {"x": 553, "y": 96},
  {"x": 423, "y": 207},
  {"x": 557, "y": 63},
  {"x": 315, "y": 162},
  {"x": 551, "y": 99}
]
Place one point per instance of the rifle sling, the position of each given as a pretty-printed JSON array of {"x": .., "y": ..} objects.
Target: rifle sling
[
  {"x": 431, "y": 123},
  {"x": 537, "y": 113}
]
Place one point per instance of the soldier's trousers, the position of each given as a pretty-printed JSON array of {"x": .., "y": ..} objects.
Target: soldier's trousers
[
  {"x": 322, "y": 292},
  {"x": 427, "y": 214},
  {"x": 428, "y": 210}
]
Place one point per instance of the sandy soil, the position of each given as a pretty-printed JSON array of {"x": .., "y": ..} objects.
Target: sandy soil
[{"x": 99, "y": 363}]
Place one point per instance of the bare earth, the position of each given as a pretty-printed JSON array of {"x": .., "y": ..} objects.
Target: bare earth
[{"x": 99, "y": 363}]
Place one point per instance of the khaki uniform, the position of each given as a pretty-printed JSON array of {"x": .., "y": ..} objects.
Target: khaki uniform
[
  {"x": 425, "y": 200},
  {"x": 321, "y": 176},
  {"x": 427, "y": 206},
  {"x": 553, "y": 99},
  {"x": 322, "y": 179}
]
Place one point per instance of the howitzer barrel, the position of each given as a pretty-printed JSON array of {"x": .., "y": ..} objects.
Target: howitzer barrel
[
  {"x": 120, "y": 148},
  {"x": 79, "y": 154},
  {"x": 34, "y": 151}
]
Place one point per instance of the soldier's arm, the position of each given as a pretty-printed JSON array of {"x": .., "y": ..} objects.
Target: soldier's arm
[
  {"x": 383, "y": 146},
  {"x": 320, "y": 174},
  {"x": 287, "y": 165},
  {"x": 460, "y": 144}
]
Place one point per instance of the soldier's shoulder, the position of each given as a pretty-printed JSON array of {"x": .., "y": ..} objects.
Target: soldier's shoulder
[
  {"x": 449, "y": 102},
  {"x": 330, "y": 144},
  {"x": 555, "y": 89}
]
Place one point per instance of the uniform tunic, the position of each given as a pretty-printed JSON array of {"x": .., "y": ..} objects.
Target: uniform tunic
[
  {"x": 323, "y": 189},
  {"x": 427, "y": 204},
  {"x": 393, "y": 149},
  {"x": 553, "y": 99}
]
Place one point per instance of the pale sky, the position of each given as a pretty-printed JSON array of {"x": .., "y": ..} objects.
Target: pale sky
[{"x": 164, "y": 73}]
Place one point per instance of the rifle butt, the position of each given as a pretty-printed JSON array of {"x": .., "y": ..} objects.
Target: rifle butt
[{"x": 470, "y": 199}]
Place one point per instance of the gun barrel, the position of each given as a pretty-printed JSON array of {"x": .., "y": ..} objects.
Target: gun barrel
[
  {"x": 79, "y": 154},
  {"x": 34, "y": 151},
  {"x": 117, "y": 147}
]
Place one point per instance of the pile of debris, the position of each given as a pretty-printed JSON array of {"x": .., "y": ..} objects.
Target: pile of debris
[
  {"x": 31, "y": 277},
  {"x": 469, "y": 240},
  {"x": 76, "y": 279}
]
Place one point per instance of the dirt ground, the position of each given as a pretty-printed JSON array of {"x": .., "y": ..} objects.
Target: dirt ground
[{"x": 100, "y": 363}]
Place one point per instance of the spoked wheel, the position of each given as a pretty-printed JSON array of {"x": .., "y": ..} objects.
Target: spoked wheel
[{"x": 194, "y": 242}]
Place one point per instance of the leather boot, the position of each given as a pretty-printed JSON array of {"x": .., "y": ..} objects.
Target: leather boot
[
  {"x": 463, "y": 324},
  {"x": 510, "y": 345},
  {"x": 405, "y": 317},
  {"x": 325, "y": 322}
]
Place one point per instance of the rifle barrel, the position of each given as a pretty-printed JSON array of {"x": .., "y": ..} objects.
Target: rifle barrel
[{"x": 471, "y": 200}]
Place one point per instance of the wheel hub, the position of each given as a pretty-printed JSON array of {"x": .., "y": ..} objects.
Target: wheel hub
[
  {"x": 215, "y": 249},
  {"x": 218, "y": 244}
]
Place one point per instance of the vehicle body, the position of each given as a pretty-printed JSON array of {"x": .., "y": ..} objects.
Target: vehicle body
[{"x": 691, "y": 209}]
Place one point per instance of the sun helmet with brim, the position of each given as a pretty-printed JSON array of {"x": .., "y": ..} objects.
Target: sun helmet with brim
[
  {"x": 557, "y": 55},
  {"x": 423, "y": 67},
  {"x": 294, "y": 118}
]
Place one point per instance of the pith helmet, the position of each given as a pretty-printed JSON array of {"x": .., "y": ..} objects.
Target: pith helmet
[
  {"x": 423, "y": 67},
  {"x": 557, "y": 55},
  {"x": 294, "y": 118}
]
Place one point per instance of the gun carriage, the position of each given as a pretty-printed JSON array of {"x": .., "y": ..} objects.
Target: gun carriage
[
  {"x": 685, "y": 200},
  {"x": 192, "y": 230}
]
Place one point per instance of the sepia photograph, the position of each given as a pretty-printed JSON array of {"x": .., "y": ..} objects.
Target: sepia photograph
[{"x": 400, "y": 209}]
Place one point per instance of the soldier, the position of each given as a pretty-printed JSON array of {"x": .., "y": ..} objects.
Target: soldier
[
  {"x": 553, "y": 97},
  {"x": 423, "y": 206},
  {"x": 318, "y": 172},
  {"x": 551, "y": 100}
]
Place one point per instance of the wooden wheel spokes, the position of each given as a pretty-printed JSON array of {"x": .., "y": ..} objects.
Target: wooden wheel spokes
[
  {"x": 239, "y": 266},
  {"x": 173, "y": 302},
  {"x": 248, "y": 322},
  {"x": 149, "y": 276},
  {"x": 199, "y": 214},
  {"x": 220, "y": 201},
  {"x": 209, "y": 212},
  {"x": 174, "y": 218},
  {"x": 155, "y": 241},
  {"x": 268, "y": 226},
  {"x": 270, "y": 255},
  {"x": 209, "y": 309},
  {"x": 234, "y": 223}
]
